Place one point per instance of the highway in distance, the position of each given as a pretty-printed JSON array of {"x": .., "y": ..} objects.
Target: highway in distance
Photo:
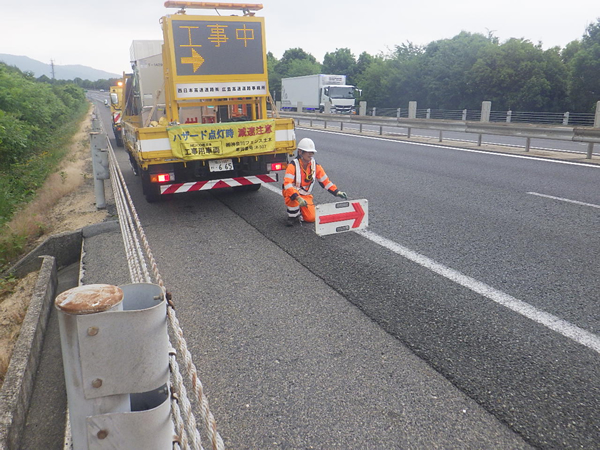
[{"x": 484, "y": 265}]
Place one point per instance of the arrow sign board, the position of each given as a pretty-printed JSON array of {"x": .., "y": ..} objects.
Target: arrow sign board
[
  {"x": 349, "y": 215},
  {"x": 215, "y": 56}
]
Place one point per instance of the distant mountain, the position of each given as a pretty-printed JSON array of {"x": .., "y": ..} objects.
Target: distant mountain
[{"x": 60, "y": 72}]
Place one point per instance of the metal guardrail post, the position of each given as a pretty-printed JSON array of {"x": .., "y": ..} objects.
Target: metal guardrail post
[
  {"x": 590, "y": 150},
  {"x": 527, "y": 144},
  {"x": 325, "y": 124},
  {"x": 398, "y": 113},
  {"x": 508, "y": 116},
  {"x": 380, "y": 130},
  {"x": 115, "y": 349},
  {"x": 479, "y": 140},
  {"x": 440, "y": 138},
  {"x": 98, "y": 146},
  {"x": 464, "y": 115},
  {"x": 360, "y": 128},
  {"x": 85, "y": 300},
  {"x": 408, "y": 132},
  {"x": 566, "y": 118},
  {"x": 428, "y": 113}
]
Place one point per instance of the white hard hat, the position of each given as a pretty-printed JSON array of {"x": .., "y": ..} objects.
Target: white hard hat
[{"x": 307, "y": 145}]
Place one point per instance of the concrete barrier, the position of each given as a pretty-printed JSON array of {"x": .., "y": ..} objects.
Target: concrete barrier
[
  {"x": 18, "y": 383},
  {"x": 57, "y": 251}
]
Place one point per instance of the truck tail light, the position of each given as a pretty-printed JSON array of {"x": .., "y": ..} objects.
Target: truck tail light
[
  {"x": 161, "y": 177},
  {"x": 278, "y": 166}
]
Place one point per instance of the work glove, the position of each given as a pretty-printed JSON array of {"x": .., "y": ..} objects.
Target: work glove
[
  {"x": 342, "y": 194},
  {"x": 302, "y": 202}
]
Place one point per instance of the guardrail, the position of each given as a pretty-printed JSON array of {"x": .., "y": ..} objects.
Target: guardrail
[
  {"x": 546, "y": 118},
  {"x": 126, "y": 430},
  {"x": 589, "y": 135}
]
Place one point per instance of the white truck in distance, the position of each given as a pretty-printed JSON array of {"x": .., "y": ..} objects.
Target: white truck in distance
[{"x": 317, "y": 91}]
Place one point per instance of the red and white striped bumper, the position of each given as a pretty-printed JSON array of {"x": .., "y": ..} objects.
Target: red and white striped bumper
[{"x": 179, "y": 188}]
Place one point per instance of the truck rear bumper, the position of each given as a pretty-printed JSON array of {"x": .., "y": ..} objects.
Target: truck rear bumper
[{"x": 178, "y": 188}]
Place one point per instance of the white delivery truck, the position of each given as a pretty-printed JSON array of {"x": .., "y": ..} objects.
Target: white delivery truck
[{"x": 317, "y": 91}]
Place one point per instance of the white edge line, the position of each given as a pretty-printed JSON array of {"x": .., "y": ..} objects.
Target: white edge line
[
  {"x": 565, "y": 200},
  {"x": 554, "y": 323}
]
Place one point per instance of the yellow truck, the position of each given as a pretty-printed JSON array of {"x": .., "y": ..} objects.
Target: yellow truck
[
  {"x": 116, "y": 111},
  {"x": 195, "y": 111}
]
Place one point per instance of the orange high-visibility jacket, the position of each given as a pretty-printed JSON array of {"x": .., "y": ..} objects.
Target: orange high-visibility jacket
[{"x": 300, "y": 180}]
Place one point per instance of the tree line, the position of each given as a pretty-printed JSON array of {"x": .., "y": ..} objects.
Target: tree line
[
  {"x": 33, "y": 117},
  {"x": 94, "y": 85},
  {"x": 461, "y": 72}
]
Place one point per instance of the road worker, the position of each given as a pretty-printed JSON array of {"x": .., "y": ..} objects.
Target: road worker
[{"x": 300, "y": 177}]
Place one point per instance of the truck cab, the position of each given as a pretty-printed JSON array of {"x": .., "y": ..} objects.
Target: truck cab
[{"x": 340, "y": 98}]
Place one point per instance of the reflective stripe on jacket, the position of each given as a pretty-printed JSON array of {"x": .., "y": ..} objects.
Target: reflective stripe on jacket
[{"x": 299, "y": 181}]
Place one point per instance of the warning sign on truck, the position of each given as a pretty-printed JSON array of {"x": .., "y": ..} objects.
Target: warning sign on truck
[
  {"x": 216, "y": 46},
  {"x": 230, "y": 139}
]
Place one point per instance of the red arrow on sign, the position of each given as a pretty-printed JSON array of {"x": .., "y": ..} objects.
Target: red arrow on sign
[{"x": 356, "y": 215}]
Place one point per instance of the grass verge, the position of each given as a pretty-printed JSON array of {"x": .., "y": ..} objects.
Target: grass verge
[{"x": 21, "y": 186}]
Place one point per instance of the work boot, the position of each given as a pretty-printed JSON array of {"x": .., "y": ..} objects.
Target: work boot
[{"x": 291, "y": 221}]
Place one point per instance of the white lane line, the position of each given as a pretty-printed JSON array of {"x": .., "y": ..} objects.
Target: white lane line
[
  {"x": 565, "y": 200},
  {"x": 556, "y": 324},
  {"x": 272, "y": 188}
]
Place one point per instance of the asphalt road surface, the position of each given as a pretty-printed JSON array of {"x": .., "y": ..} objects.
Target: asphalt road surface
[{"x": 484, "y": 265}]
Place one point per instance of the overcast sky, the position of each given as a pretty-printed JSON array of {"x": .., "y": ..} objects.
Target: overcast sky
[{"x": 98, "y": 34}]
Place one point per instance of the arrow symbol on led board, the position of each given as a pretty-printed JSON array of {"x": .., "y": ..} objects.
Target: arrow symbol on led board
[{"x": 196, "y": 60}]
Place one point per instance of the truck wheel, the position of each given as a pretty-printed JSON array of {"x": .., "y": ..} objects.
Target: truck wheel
[
  {"x": 151, "y": 191},
  {"x": 134, "y": 165}
]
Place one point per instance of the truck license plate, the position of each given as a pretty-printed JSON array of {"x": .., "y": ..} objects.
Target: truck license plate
[{"x": 220, "y": 165}]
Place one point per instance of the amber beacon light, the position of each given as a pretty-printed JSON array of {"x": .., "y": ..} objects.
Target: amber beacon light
[{"x": 214, "y": 5}]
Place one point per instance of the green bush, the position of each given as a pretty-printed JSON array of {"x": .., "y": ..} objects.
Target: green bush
[{"x": 37, "y": 120}]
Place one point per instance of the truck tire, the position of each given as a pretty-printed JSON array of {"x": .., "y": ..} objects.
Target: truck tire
[
  {"x": 119, "y": 140},
  {"x": 134, "y": 165},
  {"x": 151, "y": 191}
]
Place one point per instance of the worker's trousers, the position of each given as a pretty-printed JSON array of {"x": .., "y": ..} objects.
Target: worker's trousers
[{"x": 294, "y": 210}]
